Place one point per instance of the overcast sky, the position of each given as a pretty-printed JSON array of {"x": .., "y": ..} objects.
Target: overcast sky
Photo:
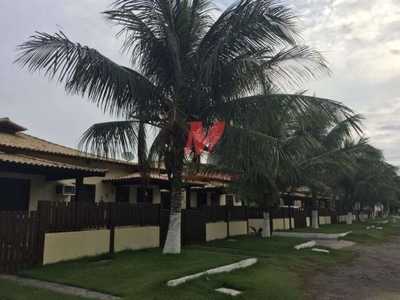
[{"x": 360, "y": 39}]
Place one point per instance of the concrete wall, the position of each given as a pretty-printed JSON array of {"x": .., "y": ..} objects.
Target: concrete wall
[
  {"x": 134, "y": 238},
  {"x": 71, "y": 245},
  {"x": 215, "y": 231},
  {"x": 321, "y": 220},
  {"x": 327, "y": 219},
  {"x": 278, "y": 224},
  {"x": 308, "y": 223},
  {"x": 237, "y": 228}
]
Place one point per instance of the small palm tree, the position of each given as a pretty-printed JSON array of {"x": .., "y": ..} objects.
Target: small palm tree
[
  {"x": 186, "y": 67},
  {"x": 332, "y": 156},
  {"x": 297, "y": 158},
  {"x": 365, "y": 163}
]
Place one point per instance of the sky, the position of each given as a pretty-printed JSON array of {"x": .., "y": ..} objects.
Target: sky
[{"x": 359, "y": 38}]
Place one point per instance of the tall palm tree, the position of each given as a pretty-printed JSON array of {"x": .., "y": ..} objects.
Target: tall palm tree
[{"x": 186, "y": 66}]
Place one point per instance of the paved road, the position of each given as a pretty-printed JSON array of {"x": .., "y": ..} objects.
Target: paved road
[{"x": 374, "y": 275}]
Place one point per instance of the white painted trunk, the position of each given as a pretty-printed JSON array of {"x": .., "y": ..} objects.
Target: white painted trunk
[
  {"x": 349, "y": 218},
  {"x": 373, "y": 215},
  {"x": 173, "y": 241},
  {"x": 314, "y": 220},
  {"x": 266, "y": 228},
  {"x": 361, "y": 216}
]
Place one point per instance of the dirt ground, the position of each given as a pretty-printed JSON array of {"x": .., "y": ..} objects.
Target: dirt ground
[{"x": 374, "y": 275}]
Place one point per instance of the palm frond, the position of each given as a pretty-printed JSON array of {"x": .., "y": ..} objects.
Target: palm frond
[
  {"x": 116, "y": 89},
  {"x": 110, "y": 139}
]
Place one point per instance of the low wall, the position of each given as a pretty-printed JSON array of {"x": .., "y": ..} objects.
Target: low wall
[
  {"x": 256, "y": 223},
  {"x": 215, "y": 231},
  {"x": 237, "y": 228},
  {"x": 71, "y": 245},
  {"x": 308, "y": 223},
  {"x": 135, "y": 238},
  {"x": 278, "y": 224},
  {"x": 328, "y": 220},
  {"x": 322, "y": 220}
]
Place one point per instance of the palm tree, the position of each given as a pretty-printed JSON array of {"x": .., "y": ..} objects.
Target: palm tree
[
  {"x": 298, "y": 157},
  {"x": 375, "y": 183},
  {"x": 186, "y": 67},
  {"x": 365, "y": 163},
  {"x": 333, "y": 156}
]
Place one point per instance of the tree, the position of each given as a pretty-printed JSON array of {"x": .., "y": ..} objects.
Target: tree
[
  {"x": 186, "y": 67},
  {"x": 333, "y": 155},
  {"x": 351, "y": 184},
  {"x": 308, "y": 150}
]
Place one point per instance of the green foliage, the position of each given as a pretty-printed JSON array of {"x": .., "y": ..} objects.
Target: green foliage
[{"x": 255, "y": 231}]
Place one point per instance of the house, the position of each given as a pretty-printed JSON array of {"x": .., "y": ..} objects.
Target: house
[{"x": 32, "y": 169}]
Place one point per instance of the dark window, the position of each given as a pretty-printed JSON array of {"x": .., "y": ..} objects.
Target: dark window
[
  {"x": 14, "y": 194},
  {"x": 229, "y": 199},
  {"x": 122, "y": 194},
  {"x": 148, "y": 197},
  {"x": 214, "y": 199}
]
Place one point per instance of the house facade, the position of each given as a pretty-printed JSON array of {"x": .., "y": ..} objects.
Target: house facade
[{"x": 32, "y": 169}]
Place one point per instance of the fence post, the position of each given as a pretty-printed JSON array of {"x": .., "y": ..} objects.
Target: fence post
[
  {"x": 247, "y": 219},
  {"x": 111, "y": 210},
  {"x": 43, "y": 209},
  {"x": 160, "y": 223},
  {"x": 227, "y": 219}
]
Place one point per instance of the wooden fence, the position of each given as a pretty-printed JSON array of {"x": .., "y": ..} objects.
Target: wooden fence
[
  {"x": 22, "y": 233},
  {"x": 21, "y": 241}
]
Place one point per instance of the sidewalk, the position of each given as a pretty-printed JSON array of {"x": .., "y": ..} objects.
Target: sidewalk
[{"x": 60, "y": 288}]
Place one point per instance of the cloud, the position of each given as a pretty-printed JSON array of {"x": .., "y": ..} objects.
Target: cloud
[{"x": 395, "y": 51}]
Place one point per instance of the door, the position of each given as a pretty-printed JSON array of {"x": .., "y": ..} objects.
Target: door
[
  {"x": 148, "y": 196},
  {"x": 14, "y": 194},
  {"x": 166, "y": 199},
  {"x": 201, "y": 200},
  {"x": 122, "y": 194},
  {"x": 214, "y": 199}
]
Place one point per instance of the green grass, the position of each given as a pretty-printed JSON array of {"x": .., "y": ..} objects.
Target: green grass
[
  {"x": 359, "y": 232},
  {"x": 279, "y": 272}
]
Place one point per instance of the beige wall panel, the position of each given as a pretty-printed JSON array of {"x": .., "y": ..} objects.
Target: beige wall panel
[{"x": 71, "y": 245}]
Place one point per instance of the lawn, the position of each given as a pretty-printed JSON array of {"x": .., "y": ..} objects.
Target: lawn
[
  {"x": 359, "y": 232},
  {"x": 278, "y": 274}
]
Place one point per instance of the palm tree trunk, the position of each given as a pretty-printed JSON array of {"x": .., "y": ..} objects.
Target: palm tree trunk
[
  {"x": 314, "y": 214},
  {"x": 350, "y": 208},
  {"x": 266, "y": 222},
  {"x": 361, "y": 212},
  {"x": 173, "y": 241}
]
